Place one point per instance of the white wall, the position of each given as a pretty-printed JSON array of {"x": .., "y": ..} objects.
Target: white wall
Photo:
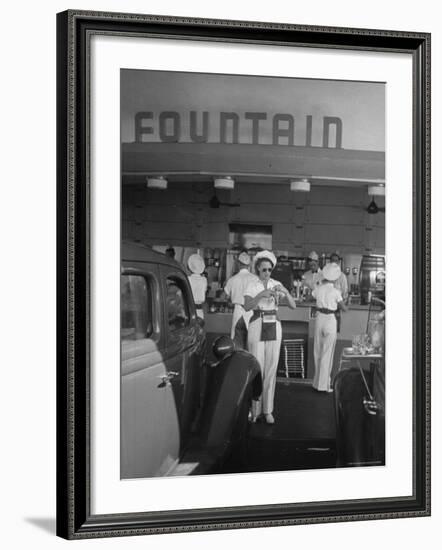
[
  {"x": 28, "y": 275},
  {"x": 157, "y": 91},
  {"x": 326, "y": 219}
]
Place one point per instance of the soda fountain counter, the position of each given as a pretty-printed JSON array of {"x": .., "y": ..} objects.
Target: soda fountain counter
[{"x": 300, "y": 323}]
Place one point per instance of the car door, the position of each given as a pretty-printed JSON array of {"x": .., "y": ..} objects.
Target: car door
[
  {"x": 185, "y": 346},
  {"x": 149, "y": 431}
]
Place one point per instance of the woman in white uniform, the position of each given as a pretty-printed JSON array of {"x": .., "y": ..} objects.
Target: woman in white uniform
[
  {"x": 264, "y": 337},
  {"x": 328, "y": 301},
  {"x": 198, "y": 282}
]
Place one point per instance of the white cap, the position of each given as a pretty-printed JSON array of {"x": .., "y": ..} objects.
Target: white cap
[
  {"x": 267, "y": 255},
  {"x": 331, "y": 272},
  {"x": 196, "y": 264},
  {"x": 244, "y": 258},
  {"x": 313, "y": 256}
]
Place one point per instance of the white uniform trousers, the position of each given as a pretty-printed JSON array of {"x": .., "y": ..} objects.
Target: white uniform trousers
[
  {"x": 200, "y": 313},
  {"x": 267, "y": 354},
  {"x": 238, "y": 312},
  {"x": 324, "y": 349}
]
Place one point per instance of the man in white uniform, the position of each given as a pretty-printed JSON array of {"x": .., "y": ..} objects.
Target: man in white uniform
[
  {"x": 328, "y": 301},
  {"x": 341, "y": 283},
  {"x": 313, "y": 277},
  {"x": 234, "y": 289},
  {"x": 198, "y": 282}
]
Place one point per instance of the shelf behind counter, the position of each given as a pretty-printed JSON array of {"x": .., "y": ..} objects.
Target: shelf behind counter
[{"x": 299, "y": 321}]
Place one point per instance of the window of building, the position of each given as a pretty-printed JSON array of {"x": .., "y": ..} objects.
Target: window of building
[{"x": 136, "y": 308}]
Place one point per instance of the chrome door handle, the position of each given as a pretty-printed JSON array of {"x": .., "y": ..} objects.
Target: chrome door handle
[
  {"x": 371, "y": 406},
  {"x": 165, "y": 378}
]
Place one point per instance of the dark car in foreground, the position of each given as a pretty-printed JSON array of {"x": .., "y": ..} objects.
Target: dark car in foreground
[
  {"x": 360, "y": 416},
  {"x": 179, "y": 414}
]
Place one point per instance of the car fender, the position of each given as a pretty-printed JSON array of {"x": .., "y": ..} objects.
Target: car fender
[
  {"x": 360, "y": 421},
  {"x": 235, "y": 378}
]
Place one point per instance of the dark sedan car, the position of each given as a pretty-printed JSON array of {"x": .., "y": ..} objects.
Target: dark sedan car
[
  {"x": 179, "y": 415},
  {"x": 360, "y": 416}
]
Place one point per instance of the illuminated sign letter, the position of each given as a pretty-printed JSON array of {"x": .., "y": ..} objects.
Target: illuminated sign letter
[
  {"x": 202, "y": 138},
  {"x": 283, "y": 132},
  {"x": 139, "y": 128},
  {"x": 224, "y": 119},
  {"x": 255, "y": 118},
  {"x": 176, "y": 126},
  {"x": 328, "y": 121}
]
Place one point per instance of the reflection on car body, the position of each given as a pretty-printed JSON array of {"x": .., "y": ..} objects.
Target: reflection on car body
[{"x": 178, "y": 415}]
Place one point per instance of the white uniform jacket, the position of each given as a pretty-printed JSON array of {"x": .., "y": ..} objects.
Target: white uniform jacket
[
  {"x": 235, "y": 290},
  {"x": 312, "y": 280}
]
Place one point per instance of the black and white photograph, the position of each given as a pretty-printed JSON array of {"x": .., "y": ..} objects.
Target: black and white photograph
[
  {"x": 203, "y": 201},
  {"x": 231, "y": 196},
  {"x": 253, "y": 273}
]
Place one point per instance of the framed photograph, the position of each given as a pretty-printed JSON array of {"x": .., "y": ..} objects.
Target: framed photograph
[{"x": 243, "y": 274}]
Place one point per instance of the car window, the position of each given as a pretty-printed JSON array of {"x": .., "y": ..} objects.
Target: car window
[
  {"x": 136, "y": 307},
  {"x": 177, "y": 305}
]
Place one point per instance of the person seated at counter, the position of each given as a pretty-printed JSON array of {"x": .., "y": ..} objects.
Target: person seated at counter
[
  {"x": 198, "y": 283},
  {"x": 313, "y": 276},
  {"x": 341, "y": 282},
  {"x": 234, "y": 290},
  {"x": 328, "y": 302},
  {"x": 262, "y": 295}
]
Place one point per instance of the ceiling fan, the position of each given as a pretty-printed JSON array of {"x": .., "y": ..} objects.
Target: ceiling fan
[
  {"x": 373, "y": 208},
  {"x": 214, "y": 202}
]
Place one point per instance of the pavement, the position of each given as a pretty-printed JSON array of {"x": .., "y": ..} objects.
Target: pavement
[{"x": 303, "y": 436}]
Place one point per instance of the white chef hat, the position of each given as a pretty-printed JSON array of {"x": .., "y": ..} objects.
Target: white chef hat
[
  {"x": 196, "y": 264},
  {"x": 267, "y": 255},
  {"x": 331, "y": 272},
  {"x": 313, "y": 256}
]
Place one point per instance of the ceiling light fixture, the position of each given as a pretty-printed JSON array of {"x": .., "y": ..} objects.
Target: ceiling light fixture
[
  {"x": 157, "y": 182},
  {"x": 226, "y": 182},
  {"x": 300, "y": 185},
  {"x": 376, "y": 190}
]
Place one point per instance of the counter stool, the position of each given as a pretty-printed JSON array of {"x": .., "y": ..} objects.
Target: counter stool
[{"x": 294, "y": 363}]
